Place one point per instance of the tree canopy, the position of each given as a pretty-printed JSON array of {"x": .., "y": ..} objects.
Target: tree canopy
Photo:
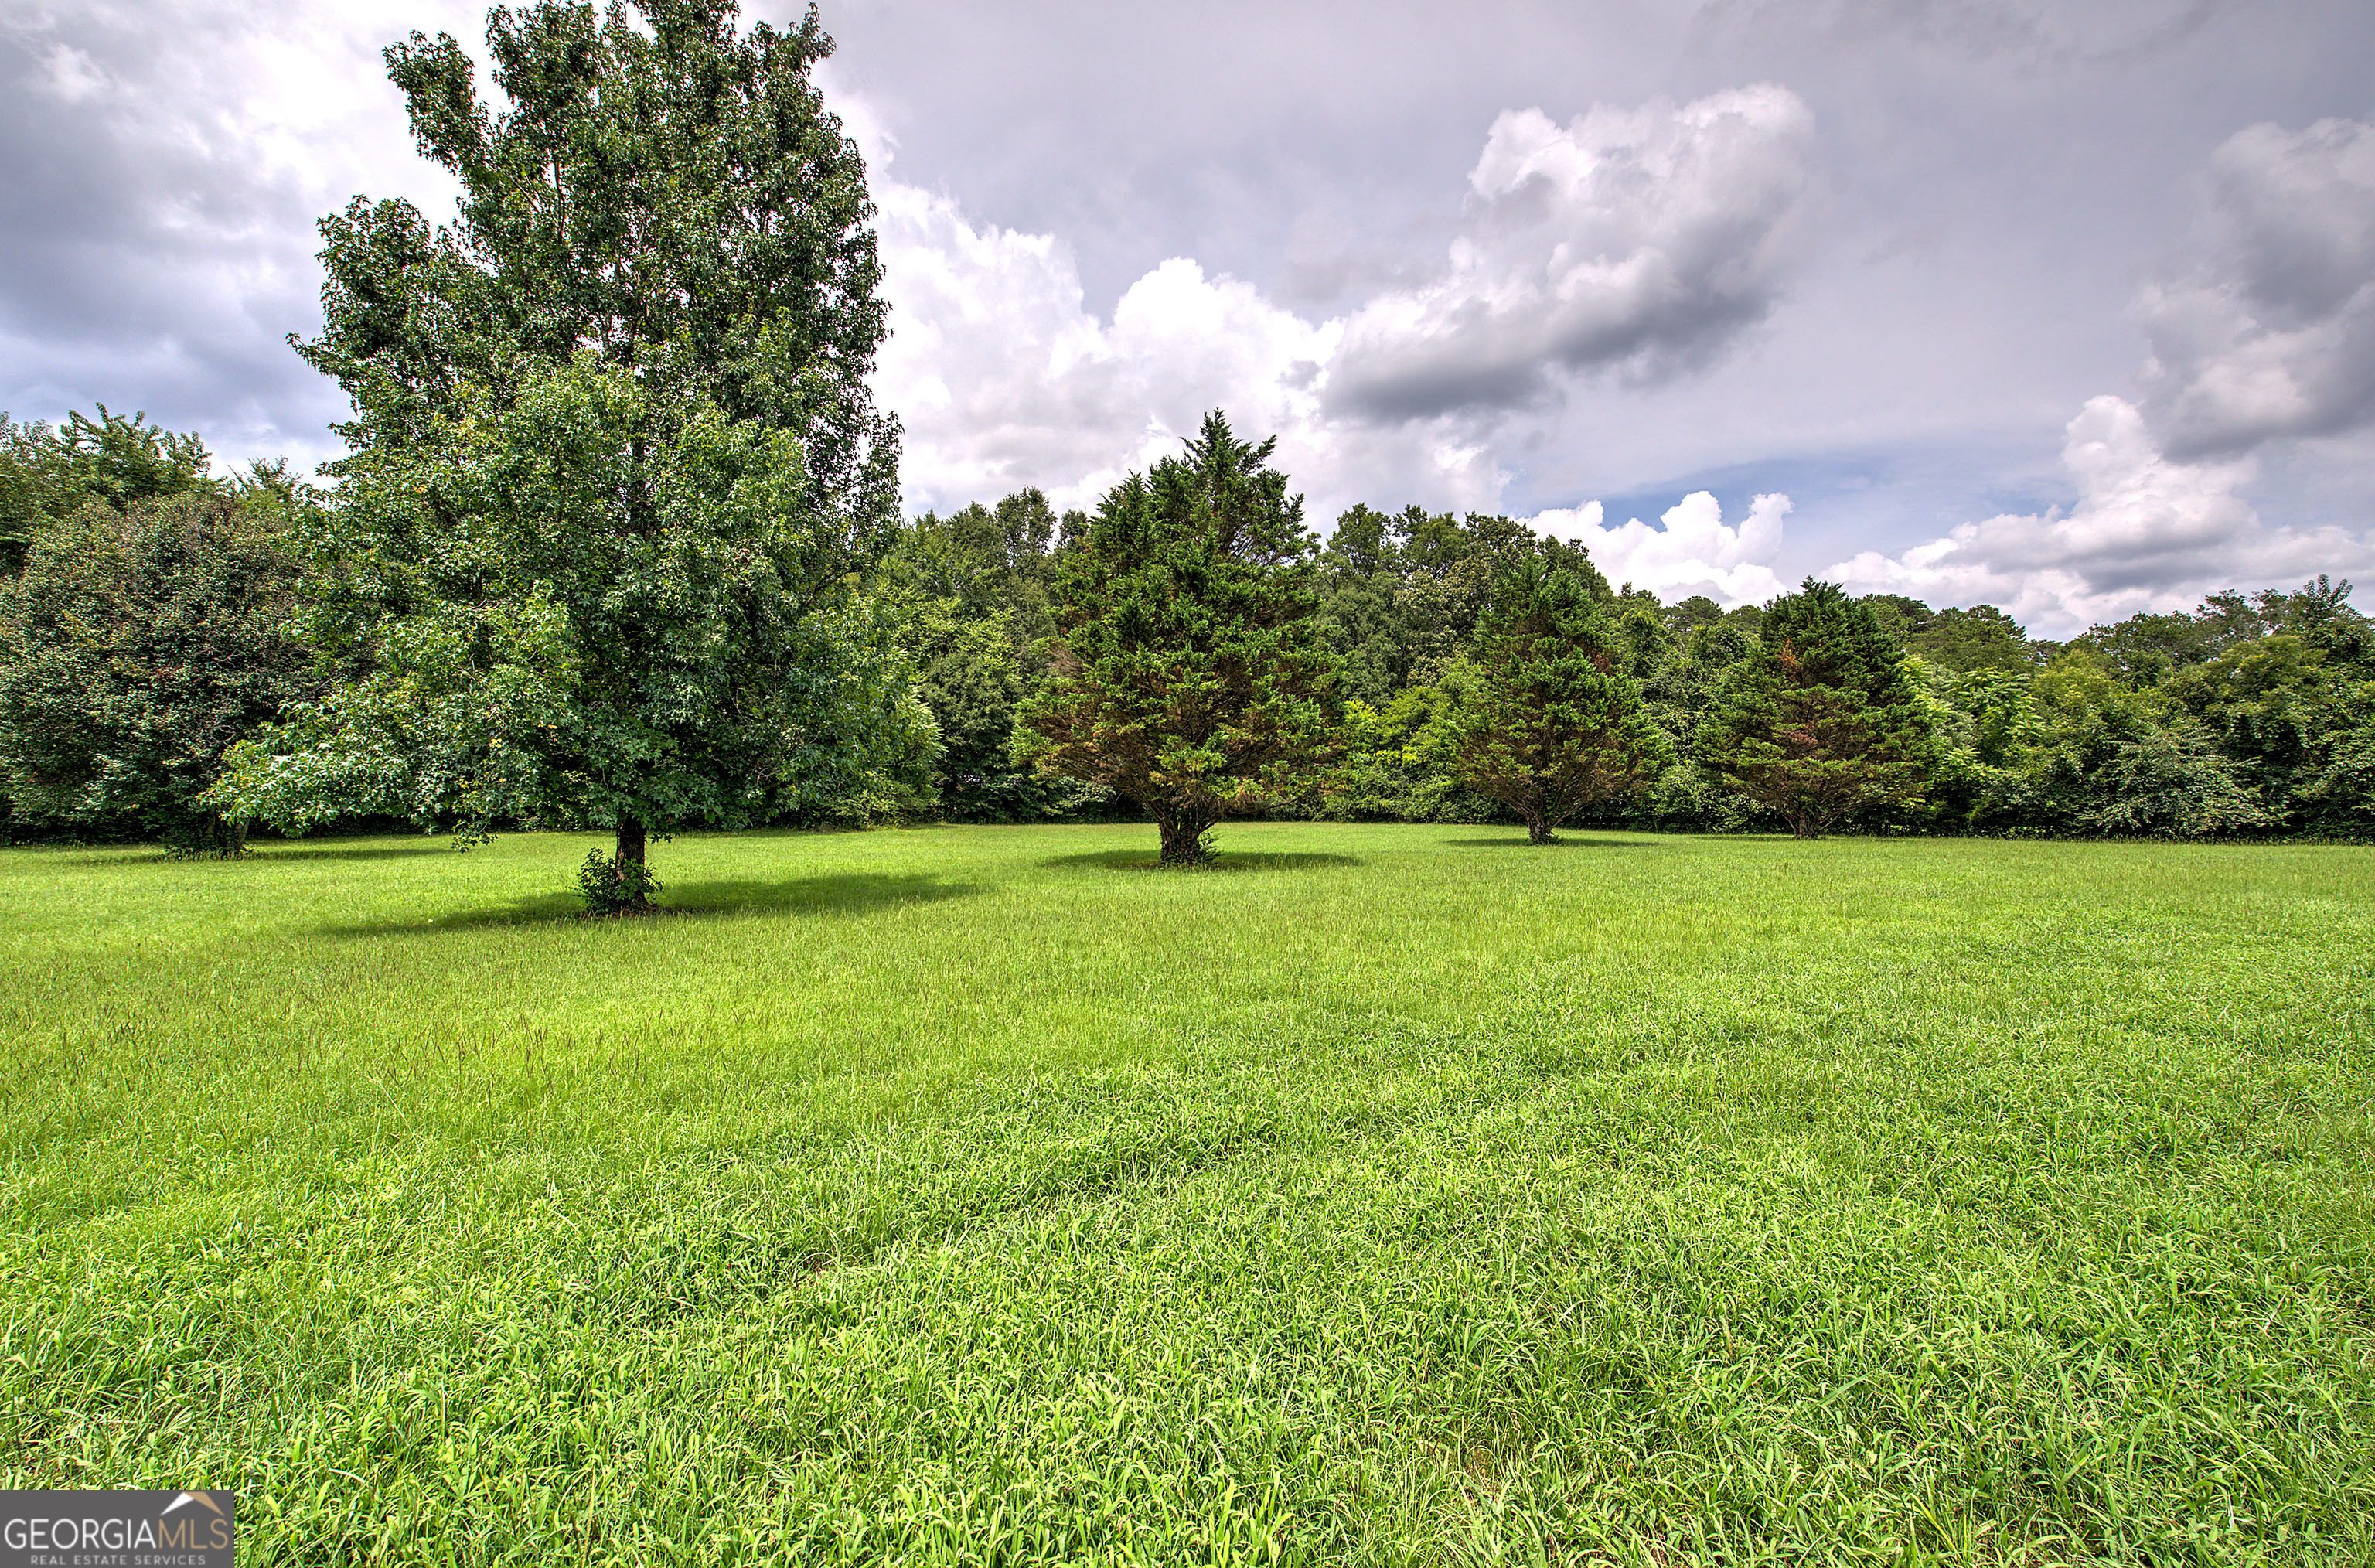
[
  {"x": 1548, "y": 719},
  {"x": 614, "y": 460},
  {"x": 49, "y": 472},
  {"x": 1187, "y": 673},
  {"x": 1823, "y": 717},
  {"x": 137, "y": 648}
]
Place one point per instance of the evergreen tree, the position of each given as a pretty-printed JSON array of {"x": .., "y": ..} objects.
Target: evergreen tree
[
  {"x": 1823, "y": 718},
  {"x": 1187, "y": 673},
  {"x": 614, "y": 457},
  {"x": 1551, "y": 720}
]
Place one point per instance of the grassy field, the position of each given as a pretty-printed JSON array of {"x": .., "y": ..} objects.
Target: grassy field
[{"x": 1388, "y": 1195}]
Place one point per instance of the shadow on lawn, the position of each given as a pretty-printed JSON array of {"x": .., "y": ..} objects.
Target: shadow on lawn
[
  {"x": 855, "y": 894},
  {"x": 440, "y": 844},
  {"x": 1564, "y": 840},
  {"x": 1228, "y": 860},
  {"x": 261, "y": 852}
]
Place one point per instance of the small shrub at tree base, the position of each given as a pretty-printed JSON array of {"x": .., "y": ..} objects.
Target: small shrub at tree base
[{"x": 616, "y": 885}]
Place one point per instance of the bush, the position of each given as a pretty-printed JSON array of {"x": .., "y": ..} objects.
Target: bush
[
  {"x": 135, "y": 649},
  {"x": 614, "y": 886}
]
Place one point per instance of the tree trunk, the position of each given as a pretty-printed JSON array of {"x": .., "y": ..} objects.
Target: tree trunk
[
  {"x": 1183, "y": 837},
  {"x": 633, "y": 842},
  {"x": 1539, "y": 832}
]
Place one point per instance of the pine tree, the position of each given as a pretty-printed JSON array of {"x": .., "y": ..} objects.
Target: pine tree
[
  {"x": 1822, "y": 719},
  {"x": 1550, "y": 721},
  {"x": 1186, "y": 672}
]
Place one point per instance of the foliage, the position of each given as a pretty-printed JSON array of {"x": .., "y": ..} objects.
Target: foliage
[
  {"x": 1551, "y": 722},
  {"x": 1187, "y": 674},
  {"x": 2285, "y": 707},
  {"x": 1400, "y": 595},
  {"x": 970, "y": 594},
  {"x": 1394, "y": 761},
  {"x": 1971, "y": 640},
  {"x": 2171, "y": 782},
  {"x": 1823, "y": 718},
  {"x": 614, "y": 458},
  {"x": 2147, "y": 647},
  {"x": 995, "y": 561},
  {"x": 2106, "y": 757},
  {"x": 49, "y": 473},
  {"x": 549, "y": 655},
  {"x": 614, "y": 885},
  {"x": 136, "y": 647}
]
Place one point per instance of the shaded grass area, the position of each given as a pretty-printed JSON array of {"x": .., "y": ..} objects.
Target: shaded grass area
[{"x": 975, "y": 1195}]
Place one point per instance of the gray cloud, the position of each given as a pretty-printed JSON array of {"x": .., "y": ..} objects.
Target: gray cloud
[
  {"x": 1641, "y": 241},
  {"x": 2100, "y": 32},
  {"x": 112, "y": 228},
  {"x": 1142, "y": 133},
  {"x": 166, "y": 165},
  {"x": 2272, "y": 331}
]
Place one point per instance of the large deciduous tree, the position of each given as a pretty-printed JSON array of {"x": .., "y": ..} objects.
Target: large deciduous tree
[
  {"x": 1548, "y": 720},
  {"x": 614, "y": 459},
  {"x": 1187, "y": 673},
  {"x": 1823, "y": 718}
]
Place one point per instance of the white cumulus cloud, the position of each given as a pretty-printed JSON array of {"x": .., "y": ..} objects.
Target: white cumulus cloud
[
  {"x": 1005, "y": 377},
  {"x": 2148, "y": 532},
  {"x": 2272, "y": 331},
  {"x": 1640, "y": 240},
  {"x": 1693, "y": 552},
  {"x": 1636, "y": 239}
]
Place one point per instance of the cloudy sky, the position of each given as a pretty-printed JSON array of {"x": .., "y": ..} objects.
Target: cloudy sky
[{"x": 2064, "y": 305}]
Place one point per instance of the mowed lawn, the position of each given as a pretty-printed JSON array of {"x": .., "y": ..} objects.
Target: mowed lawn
[{"x": 1388, "y": 1195}]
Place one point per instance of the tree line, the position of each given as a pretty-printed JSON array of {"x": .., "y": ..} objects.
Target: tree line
[
  {"x": 1187, "y": 651},
  {"x": 1484, "y": 673},
  {"x": 616, "y": 544}
]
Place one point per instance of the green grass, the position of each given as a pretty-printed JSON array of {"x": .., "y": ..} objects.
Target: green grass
[{"x": 1388, "y": 1195}]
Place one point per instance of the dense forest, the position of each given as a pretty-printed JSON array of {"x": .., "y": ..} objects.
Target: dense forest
[{"x": 152, "y": 617}]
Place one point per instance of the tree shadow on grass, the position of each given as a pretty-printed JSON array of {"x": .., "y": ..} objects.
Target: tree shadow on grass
[
  {"x": 439, "y": 844},
  {"x": 263, "y": 851},
  {"x": 1564, "y": 841},
  {"x": 1227, "y": 860},
  {"x": 852, "y": 893}
]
